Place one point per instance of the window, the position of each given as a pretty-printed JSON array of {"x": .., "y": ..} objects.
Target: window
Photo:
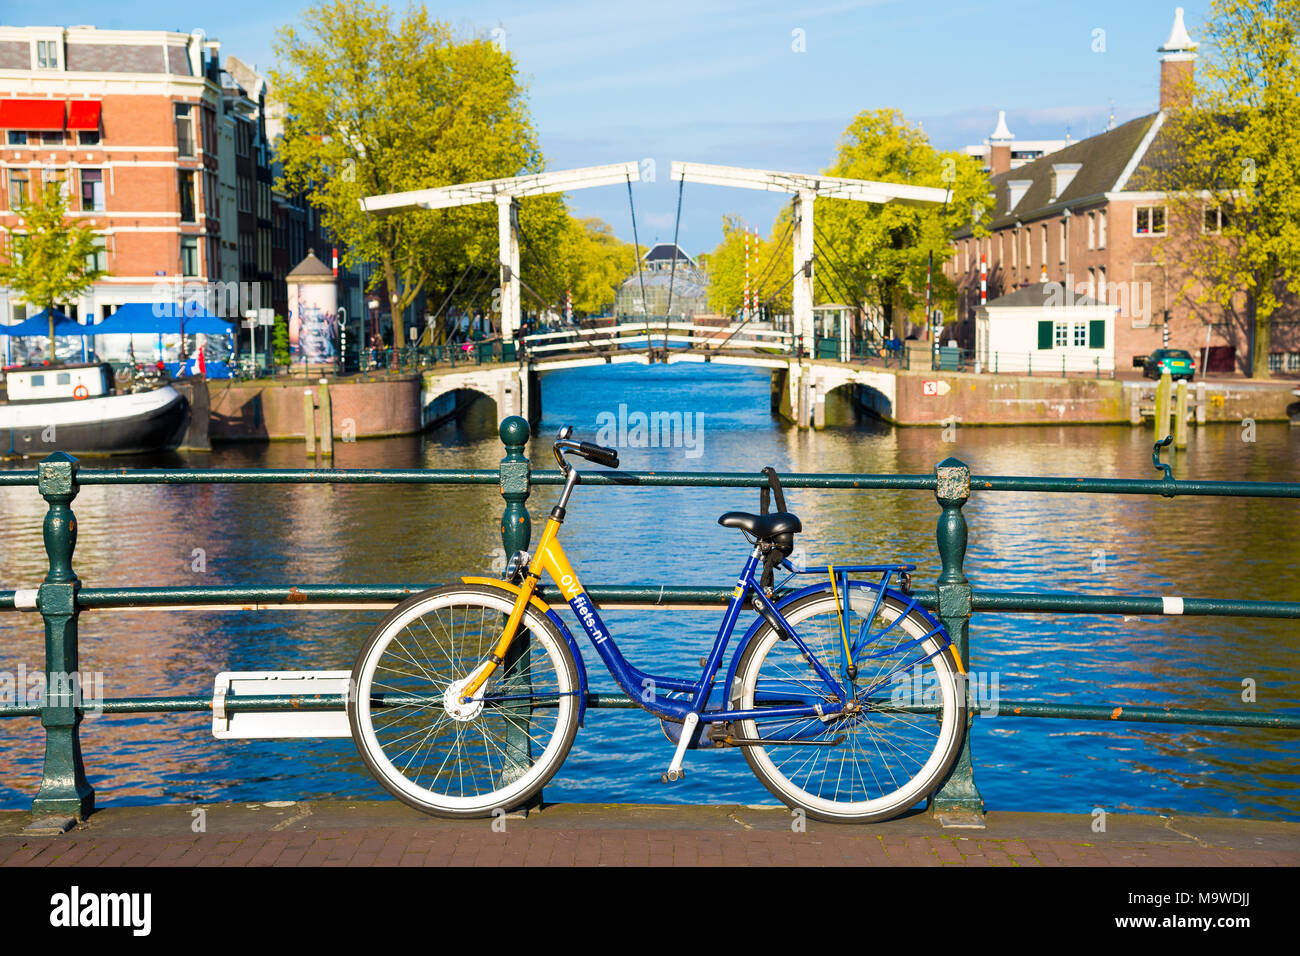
[
  {"x": 1150, "y": 221},
  {"x": 189, "y": 256},
  {"x": 184, "y": 130},
  {"x": 1215, "y": 220},
  {"x": 63, "y": 378},
  {"x": 98, "y": 260},
  {"x": 1101, "y": 230},
  {"x": 1043, "y": 260},
  {"x": 17, "y": 137},
  {"x": 18, "y": 188},
  {"x": 185, "y": 183},
  {"x": 1092, "y": 230},
  {"x": 87, "y": 137},
  {"x": 1101, "y": 285},
  {"x": 47, "y": 54},
  {"x": 38, "y": 381},
  {"x": 49, "y": 137},
  {"x": 1062, "y": 337},
  {"x": 245, "y": 194},
  {"x": 1063, "y": 228},
  {"x": 1028, "y": 257},
  {"x": 1015, "y": 245},
  {"x": 92, "y": 190},
  {"x": 1080, "y": 335}
]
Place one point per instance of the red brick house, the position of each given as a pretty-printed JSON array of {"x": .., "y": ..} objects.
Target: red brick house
[{"x": 1080, "y": 216}]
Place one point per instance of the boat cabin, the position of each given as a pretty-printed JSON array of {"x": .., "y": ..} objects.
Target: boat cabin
[{"x": 53, "y": 383}]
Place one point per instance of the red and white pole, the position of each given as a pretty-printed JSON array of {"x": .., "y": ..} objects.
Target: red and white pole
[
  {"x": 984, "y": 280},
  {"x": 335, "y": 261},
  {"x": 744, "y": 299}
]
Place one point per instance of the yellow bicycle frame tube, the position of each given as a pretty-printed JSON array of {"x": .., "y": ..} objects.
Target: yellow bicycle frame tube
[{"x": 549, "y": 557}]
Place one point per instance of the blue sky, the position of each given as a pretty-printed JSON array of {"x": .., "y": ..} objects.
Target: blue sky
[{"x": 721, "y": 82}]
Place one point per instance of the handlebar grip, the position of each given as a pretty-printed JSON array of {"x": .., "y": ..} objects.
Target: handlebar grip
[{"x": 599, "y": 454}]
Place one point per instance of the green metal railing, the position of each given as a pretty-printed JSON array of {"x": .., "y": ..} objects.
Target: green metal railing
[{"x": 65, "y": 790}]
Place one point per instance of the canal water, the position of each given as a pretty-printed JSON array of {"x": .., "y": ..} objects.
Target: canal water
[{"x": 409, "y": 535}]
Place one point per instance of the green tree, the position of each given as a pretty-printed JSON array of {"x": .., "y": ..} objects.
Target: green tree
[
  {"x": 770, "y": 267},
  {"x": 1232, "y": 159},
  {"x": 49, "y": 258},
  {"x": 279, "y": 343},
  {"x": 885, "y": 250},
  {"x": 375, "y": 104},
  {"x": 594, "y": 263}
]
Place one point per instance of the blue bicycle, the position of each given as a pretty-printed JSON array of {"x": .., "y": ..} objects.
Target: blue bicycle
[{"x": 845, "y": 696}]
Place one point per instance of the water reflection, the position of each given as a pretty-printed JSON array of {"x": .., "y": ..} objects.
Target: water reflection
[{"x": 416, "y": 535}]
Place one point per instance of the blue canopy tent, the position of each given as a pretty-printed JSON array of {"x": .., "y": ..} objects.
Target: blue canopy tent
[
  {"x": 38, "y": 325},
  {"x": 145, "y": 318}
]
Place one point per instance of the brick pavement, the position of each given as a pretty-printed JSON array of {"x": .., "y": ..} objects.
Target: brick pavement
[{"x": 340, "y": 833}]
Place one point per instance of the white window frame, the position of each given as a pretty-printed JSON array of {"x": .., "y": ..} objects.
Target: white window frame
[
  {"x": 42, "y": 47},
  {"x": 1101, "y": 230},
  {"x": 1060, "y": 335},
  {"x": 1150, "y": 211},
  {"x": 1079, "y": 335}
]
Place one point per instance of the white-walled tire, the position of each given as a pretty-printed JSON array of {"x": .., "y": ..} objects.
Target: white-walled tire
[
  {"x": 454, "y": 759},
  {"x": 891, "y": 757}
]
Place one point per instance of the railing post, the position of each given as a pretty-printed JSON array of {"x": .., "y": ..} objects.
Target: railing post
[
  {"x": 65, "y": 795},
  {"x": 516, "y": 531},
  {"x": 957, "y": 803}
]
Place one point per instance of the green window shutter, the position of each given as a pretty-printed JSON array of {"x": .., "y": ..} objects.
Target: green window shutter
[
  {"x": 1096, "y": 334},
  {"x": 1045, "y": 334}
]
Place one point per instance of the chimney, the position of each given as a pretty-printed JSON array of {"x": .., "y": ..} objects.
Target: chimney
[
  {"x": 1000, "y": 146},
  {"x": 1177, "y": 64}
]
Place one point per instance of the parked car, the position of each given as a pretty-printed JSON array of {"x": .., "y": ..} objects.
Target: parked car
[{"x": 1178, "y": 362}]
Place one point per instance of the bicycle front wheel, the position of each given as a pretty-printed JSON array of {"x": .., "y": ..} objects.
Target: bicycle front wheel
[
  {"x": 909, "y": 716},
  {"x": 437, "y": 752}
]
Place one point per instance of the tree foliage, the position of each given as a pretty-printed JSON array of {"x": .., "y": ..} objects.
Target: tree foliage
[
  {"x": 375, "y": 104},
  {"x": 48, "y": 258},
  {"x": 770, "y": 268},
  {"x": 1234, "y": 155},
  {"x": 593, "y": 263},
  {"x": 881, "y": 253}
]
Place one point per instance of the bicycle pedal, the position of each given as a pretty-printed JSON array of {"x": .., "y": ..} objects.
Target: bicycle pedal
[{"x": 672, "y": 776}]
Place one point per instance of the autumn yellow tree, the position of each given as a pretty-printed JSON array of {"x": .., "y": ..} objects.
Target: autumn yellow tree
[
  {"x": 374, "y": 103},
  {"x": 1230, "y": 165}
]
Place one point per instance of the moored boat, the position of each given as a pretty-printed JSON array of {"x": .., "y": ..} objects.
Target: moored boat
[{"x": 79, "y": 409}]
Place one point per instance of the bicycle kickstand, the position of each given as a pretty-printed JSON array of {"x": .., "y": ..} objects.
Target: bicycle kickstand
[{"x": 675, "y": 771}]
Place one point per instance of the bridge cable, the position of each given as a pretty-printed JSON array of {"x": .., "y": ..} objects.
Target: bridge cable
[
  {"x": 672, "y": 272},
  {"x": 645, "y": 306}
]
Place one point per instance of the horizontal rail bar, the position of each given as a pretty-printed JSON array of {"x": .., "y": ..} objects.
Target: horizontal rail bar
[
  {"x": 308, "y": 596},
  {"x": 695, "y": 479},
  {"x": 274, "y": 703}
]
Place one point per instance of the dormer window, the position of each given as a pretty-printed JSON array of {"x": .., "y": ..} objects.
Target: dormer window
[
  {"x": 1062, "y": 175},
  {"x": 47, "y": 54}
]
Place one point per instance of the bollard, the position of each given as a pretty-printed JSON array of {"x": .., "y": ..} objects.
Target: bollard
[
  {"x": 65, "y": 795},
  {"x": 958, "y": 802},
  {"x": 1200, "y": 403},
  {"x": 326, "y": 420},
  {"x": 516, "y": 531},
  {"x": 309, "y": 419},
  {"x": 1180, "y": 417},
  {"x": 1163, "y": 396}
]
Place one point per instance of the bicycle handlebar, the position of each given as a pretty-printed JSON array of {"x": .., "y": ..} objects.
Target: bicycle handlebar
[{"x": 598, "y": 454}]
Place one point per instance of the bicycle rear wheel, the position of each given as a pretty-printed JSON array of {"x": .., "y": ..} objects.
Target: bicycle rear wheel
[
  {"x": 878, "y": 762},
  {"x": 444, "y": 756}
]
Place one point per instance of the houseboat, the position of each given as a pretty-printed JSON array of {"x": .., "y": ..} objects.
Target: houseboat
[{"x": 80, "y": 409}]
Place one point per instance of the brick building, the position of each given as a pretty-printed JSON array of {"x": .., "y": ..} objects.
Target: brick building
[
  {"x": 166, "y": 151},
  {"x": 1080, "y": 216}
]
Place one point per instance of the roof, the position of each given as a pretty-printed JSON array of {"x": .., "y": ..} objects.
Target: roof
[
  {"x": 663, "y": 252},
  {"x": 311, "y": 268},
  {"x": 1040, "y": 296},
  {"x": 1102, "y": 160}
]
